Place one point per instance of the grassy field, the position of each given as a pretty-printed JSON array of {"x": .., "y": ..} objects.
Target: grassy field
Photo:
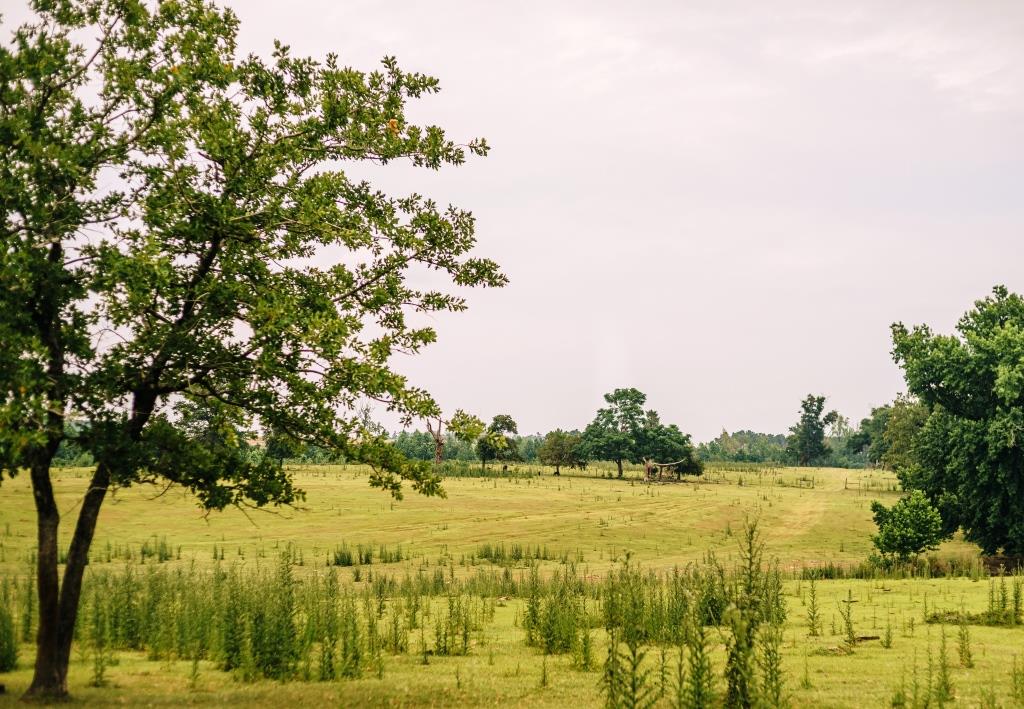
[{"x": 809, "y": 518}]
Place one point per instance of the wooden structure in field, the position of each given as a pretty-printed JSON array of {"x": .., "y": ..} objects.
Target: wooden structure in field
[{"x": 654, "y": 472}]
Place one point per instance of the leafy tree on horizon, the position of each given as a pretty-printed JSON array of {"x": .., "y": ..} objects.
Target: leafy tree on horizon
[
  {"x": 497, "y": 441},
  {"x": 560, "y": 448},
  {"x": 529, "y": 447},
  {"x": 806, "y": 442},
  {"x": 415, "y": 445},
  {"x": 662, "y": 443},
  {"x": 615, "y": 430},
  {"x": 968, "y": 458},
  {"x": 178, "y": 224},
  {"x": 869, "y": 438},
  {"x": 624, "y": 431},
  {"x": 906, "y": 419}
]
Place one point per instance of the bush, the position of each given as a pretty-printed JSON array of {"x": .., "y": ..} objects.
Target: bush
[{"x": 910, "y": 527}]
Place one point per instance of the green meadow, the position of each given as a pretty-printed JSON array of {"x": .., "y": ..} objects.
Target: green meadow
[
  {"x": 662, "y": 525},
  {"x": 481, "y": 545}
]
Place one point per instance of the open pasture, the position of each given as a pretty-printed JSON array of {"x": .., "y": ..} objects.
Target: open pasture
[
  {"x": 477, "y": 566},
  {"x": 662, "y": 525}
]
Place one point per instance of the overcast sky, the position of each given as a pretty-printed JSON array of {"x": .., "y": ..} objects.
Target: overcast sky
[{"x": 722, "y": 204}]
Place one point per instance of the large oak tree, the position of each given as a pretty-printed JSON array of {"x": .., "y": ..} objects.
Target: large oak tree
[{"x": 177, "y": 223}]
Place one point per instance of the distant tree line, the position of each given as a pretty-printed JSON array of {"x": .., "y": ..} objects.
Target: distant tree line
[
  {"x": 955, "y": 437},
  {"x": 745, "y": 447},
  {"x": 623, "y": 431},
  {"x": 823, "y": 438}
]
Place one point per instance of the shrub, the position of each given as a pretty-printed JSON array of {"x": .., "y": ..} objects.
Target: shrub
[{"x": 910, "y": 527}]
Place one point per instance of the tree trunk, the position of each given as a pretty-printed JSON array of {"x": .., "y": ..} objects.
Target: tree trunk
[
  {"x": 438, "y": 437},
  {"x": 50, "y": 679},
  {"x": 58, "y": 601},
  {"x": 556, "y": 471},
  {"x": 619, "y": 463},
  {"x": 78, "y": 559}
]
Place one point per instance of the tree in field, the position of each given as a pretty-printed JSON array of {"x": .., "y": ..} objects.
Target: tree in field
[
  {"x": 462, "y": 425},
  {"x": 463, "y": 433},
  {"x": 668, "y": 447},
  {"x": 906, "y": 419},
  {"x": 908, "y": 528},
  {"x": 869, "y": 439},
  {"x": 613, "y": 433},
  {"x": 806, "y": 442},
  {"x": 176, "y": 225},
  {"x": 436, "y": 432},
  {"x": 280, "y": 445},
  {"x": 560, "y": 448},
  {"x": 838, "y": 435},
  {"x": 216, "y": 433},
  {"x": 496, "y": 442},
  {"x": 968, "y": 458}
]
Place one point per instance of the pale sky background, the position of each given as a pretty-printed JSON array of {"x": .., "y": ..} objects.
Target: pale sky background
[{"x": 722, "y": 204}]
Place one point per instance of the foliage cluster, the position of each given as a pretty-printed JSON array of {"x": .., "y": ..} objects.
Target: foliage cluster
[
  {"x": 624, "y": 431},
  {"x": 883, "y": 439},
  {"x": 968, "y": 457},
  {"x": 744, "y": 447},
  {"x": 908, "y": 528},
  {"x": 621, "y": 432}
]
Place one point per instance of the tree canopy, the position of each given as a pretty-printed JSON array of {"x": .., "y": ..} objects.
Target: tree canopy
[
  {"x": 908, "y": 528},
  {"x": 623, "y": 431},
  {"x": 561, "y": 448},
  {"x": 969, "y": 455},
  {"x": 907, "y": 417},
  {"x": 806, "y": 442},
  {"x": 666, "y": 444},
  {"x": 178, "y": 224},
  {"x": 614, "y": 432},
  {"x": 496, "y": 442},
  {"x": 869, "y": 438},
  {"x": 745, "y": 446}
]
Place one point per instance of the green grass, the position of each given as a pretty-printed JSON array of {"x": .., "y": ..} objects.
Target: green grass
[
  {"x": 662, "y": 525},
  {"x": 587, "y": 517}
]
